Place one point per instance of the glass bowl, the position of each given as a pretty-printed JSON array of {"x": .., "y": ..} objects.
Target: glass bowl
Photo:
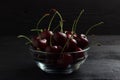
[{"x": 64, "y": 63}]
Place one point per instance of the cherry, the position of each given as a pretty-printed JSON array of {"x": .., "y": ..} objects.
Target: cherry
[
  {"x": 79, "y": 54},
  {"x": 70, "y": 34},
  {"x": 46, "y": 34},
  {"x": 71, "y": 45},
  {"x": 65, "y": 60},
  {"x": 82, "y": 41},
  {"x": 53, "y": 55},
  {"x": 35, "y": 41},
  {"x": 60, "y": 38},
  {"x": 43, "y": 44},
  {"x": 39, "y": 43},
  {"x": 53, "y": 49}
]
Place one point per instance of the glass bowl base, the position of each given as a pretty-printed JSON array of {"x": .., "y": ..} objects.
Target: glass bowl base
[{"x": 53, "y": 69}]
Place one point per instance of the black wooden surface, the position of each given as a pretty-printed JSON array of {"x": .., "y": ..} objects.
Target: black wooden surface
[{"x": 103, "y": 61}]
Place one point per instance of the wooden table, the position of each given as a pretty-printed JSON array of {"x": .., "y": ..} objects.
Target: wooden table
[{"x": 103, "y": 61}]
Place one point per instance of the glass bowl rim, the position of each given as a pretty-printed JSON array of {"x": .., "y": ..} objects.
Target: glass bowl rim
[{"x": 38, "y": 51}]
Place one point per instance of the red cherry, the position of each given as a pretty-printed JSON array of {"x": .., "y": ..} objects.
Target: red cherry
[
  {"x": 60, "y": 38},
  {"x": 54, "y": 49},
  {"x": 79, "y": 54},
  {"x": 37, "y": 42},
  {"x": 46, "y": 34},
  {"x": 82, "y": 41},
  {"x": 53, "y": 55},
  {"x": 43, "y": 44},
  {"x": 71, "y": 45},
  {"x": 69, "y": 34},
  {"x": 65, "y": 60}
]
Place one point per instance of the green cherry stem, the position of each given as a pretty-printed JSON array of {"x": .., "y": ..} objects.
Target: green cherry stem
[
  {"x": 95, "y": 25},
  {"x": 56, "y": 27},
  {"x": 51, "y": 21},
  {"x": 27, "y": 43},
  {"x": 40, "y": 21},
  {"x": 75, "y": 25},
  {"x": 25, "y": 37},
  {"x": 61, "y": 19},
  {"x": 39, "y": 30},
  {"x": 53, "y": 31},
  {"x": 66, "y": 43},
  {"x": 61, "y": 25},
  {"x": 73, "y": 32}
]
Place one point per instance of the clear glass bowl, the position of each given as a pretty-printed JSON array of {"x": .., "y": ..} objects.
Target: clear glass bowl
[{"x": 50, "y": 62}]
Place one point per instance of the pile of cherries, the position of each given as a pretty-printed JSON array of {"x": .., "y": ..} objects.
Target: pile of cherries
[
  {"x": 61, "y": 48},
  {"x": 59, "y": 40}
]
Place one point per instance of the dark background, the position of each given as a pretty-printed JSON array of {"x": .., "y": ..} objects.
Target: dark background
[{"x": 19, "y": 16}]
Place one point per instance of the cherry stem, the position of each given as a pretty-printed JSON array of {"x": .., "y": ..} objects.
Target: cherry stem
[
  {"x": 51, "y": 21},
  {"x": 56, "y": 27},
  {"x": 73, "y": 26},
  {"x": 66, "y": 43},
  {"x": 40, "y": 21},
  {"x": 95, "y": 25},
  {"x": 27, "y": 43},
  {"x": 76, "y": 22},
  {"x": 61, "y": 20},
  {"x": 40, "y": 30},
  {"x": 53, "y": 31},
  {"x": 73, "y": 32},
  {"x": 25, "y": 37}
]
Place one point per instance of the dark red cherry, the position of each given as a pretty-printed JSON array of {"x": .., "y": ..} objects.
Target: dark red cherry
[
  {"x": 71, "y": 45},
  {"x": 78, "y": 54},
  {"x": 82, "y": 41},
  {"x": 69, "y": 34},
  {"x": 53, "y": 49},
  {"x": 35, "y": 41},
  {"x": 53, "y": 54},
  {"x": 43, "y": 44},
  {"x": 60, "y": 38},
  {"x": 46, "y": 34},
  {"x": 65, "y": 60}
]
